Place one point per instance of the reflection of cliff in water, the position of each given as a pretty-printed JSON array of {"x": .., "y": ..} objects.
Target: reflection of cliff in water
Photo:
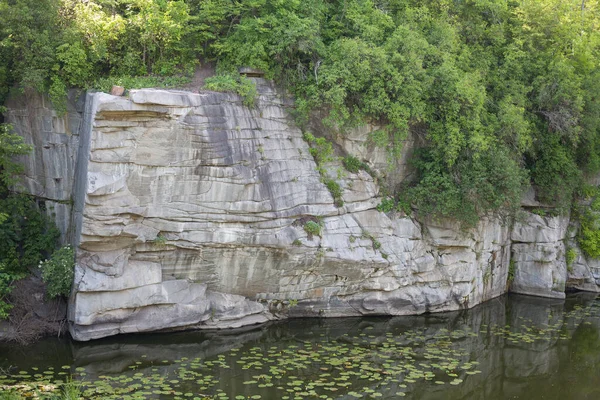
[{"x": 552, "y": 351}]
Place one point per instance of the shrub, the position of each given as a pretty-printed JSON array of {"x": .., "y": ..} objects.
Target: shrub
[
  {"x": 26, "y": 236},
  {"x": 512, "y": 269},
  {"x": 71, "y": 390},
  {"x": 335, "y": 190},
  {"x": 58, "y": 272},
  {"x": 6, "y": 280},
  {"x": 589, "y": 240},
  {"x": 160, "y": 240},
  {"x": 491, "y": 183},
  {"x": 321, "y": 149},
  {"x": 352, "y": 164},
  {"x": 387, "y": 205},
  {"x": 570, "y": 256},
  {"x": 555, "y": 173},
  {"x": 241, "y": 85},
  {"x": 26, "y": 233},
  {"x": 312, "y": 228}
]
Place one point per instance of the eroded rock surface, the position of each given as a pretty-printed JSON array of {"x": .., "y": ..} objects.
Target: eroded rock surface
[
  {"x": 190, "y": 211},
  {"x": 194, "y": 217},
  {"x": 538, "y": 255},
  {"x": 49, "y": 169}
]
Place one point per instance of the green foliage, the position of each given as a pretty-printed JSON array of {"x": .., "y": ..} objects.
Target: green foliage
[
  {"x": 10, "y": 395},
  {"x": 50, "y": 45},
  {"x": 512, "y": 269},
  {"x": 475, "y": 79},
  {"x": 353, "y": 164},
  {"x": 322, "y": 151},
  {"x": 71, "y": 390},
  {"x": 160, "y": 240},
  {"x": 335, "y": 190},
  {"x": 501, "y": 94},
  {"x": 312, "y": 228},
  {"x": 11, "y": 145},
  {"x": 555, "y": 173},
  {"x": 492, "y": 182},
  {"x": 390, "y": 204},
  {"x": 570, "y": 256},
  {"x": 241, "y": 85},
  {"x": 26, "y": 234},
  {"x": 6, "y": 280},
  {"x": 588, "y": 217},
  {"x": 589, "y": 235},
  {"x": 374, "y": 242},
  {"x": 387, "y": 205},
  {"x": 58, "y": 272},
  {"x": 292, "y": 302}
]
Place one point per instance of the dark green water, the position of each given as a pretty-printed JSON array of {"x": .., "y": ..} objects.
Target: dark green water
[{"x": 515, "y": 347}]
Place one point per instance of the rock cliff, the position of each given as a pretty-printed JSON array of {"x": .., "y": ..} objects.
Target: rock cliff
[{"x": 189, "y": 211}]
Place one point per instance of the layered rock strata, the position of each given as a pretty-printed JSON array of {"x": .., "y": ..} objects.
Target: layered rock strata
[
  {"x": 194, "y": 215},
  {"x": 190, "y": 212}
]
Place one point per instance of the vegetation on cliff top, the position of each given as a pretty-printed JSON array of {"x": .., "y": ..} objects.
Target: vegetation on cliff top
[{"x": 504, "y": 93}]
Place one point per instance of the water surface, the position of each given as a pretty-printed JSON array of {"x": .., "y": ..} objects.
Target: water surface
[{"x": 514, "y": 347}]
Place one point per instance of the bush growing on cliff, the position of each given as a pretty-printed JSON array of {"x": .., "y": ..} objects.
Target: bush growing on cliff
[
  {"x": 57, "y": 272},
  {"x": 312, "y": 228},
  {"x": 235, "y": 84}
]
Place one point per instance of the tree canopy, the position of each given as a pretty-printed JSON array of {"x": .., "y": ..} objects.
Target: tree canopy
[{"x": 504, "y": 93}]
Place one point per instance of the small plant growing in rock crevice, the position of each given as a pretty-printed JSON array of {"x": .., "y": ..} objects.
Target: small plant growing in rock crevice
[
  {"x": 292, "y": 303},
  {"x": 336, "y": 191},
  {"x": 353, "y": 164},
  {"x": 160, "y": 240},
  {"x": 512, "y": 268},
  {"x": 374, "y": 242},
  {"x": 312, "y": 228},
  {"x": 322, "y": 152},
  {"x": 321, "y": 149},
  {"x": 570, "y": 256},
  {"x": 387, "y": 205}
]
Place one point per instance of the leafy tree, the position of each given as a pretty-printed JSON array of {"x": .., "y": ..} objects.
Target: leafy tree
[{"x": 486, "y": 84}]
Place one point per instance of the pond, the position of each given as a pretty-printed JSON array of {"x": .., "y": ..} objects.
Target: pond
[{"x": 513, "y": 347}]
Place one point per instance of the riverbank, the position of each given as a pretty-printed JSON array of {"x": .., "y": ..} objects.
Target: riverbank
[{"x": 514, "y": 345}]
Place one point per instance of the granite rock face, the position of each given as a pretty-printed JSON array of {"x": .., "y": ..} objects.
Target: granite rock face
[
  {"x": 194, "y": 216},
  {"x": 538, "y": 255},
  {"x": 189, "y": 212},
  {"x": 50, "y": 169}
]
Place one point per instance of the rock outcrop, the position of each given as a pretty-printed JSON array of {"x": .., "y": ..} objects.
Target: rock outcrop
[
  {"x": 50, "y": 168},
  {"x": 190, "y": 212},
  {"x": 538, "y": 255}
]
